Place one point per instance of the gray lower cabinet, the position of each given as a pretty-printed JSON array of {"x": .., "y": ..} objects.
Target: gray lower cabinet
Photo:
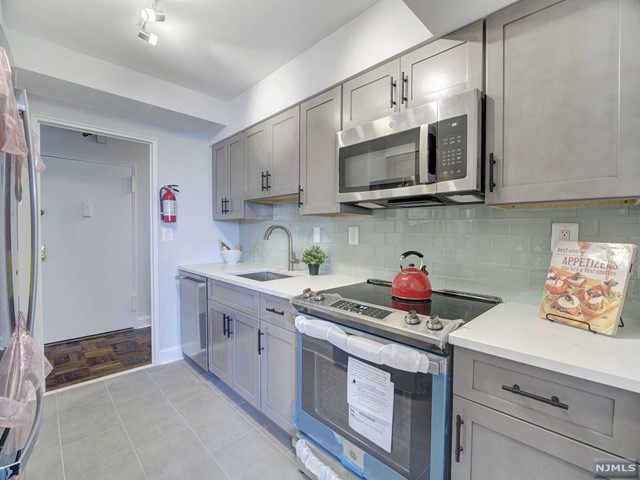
[
  {"x": 488, "y": 444},
  {"x": 228, "y": 179},
  {"x": 277, "y": 373},
  {"x": 219, "y": 342},
  {"x": 245, "y": 360},
  {"x": 563, "y": 110}
]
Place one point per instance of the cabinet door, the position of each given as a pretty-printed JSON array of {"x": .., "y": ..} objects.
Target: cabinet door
[
  {"x": 319, "y": 123},
  {"x": 284, "y": 153},
  {"x": 236, "y": 179},
  {"x": 246, "y": 366},
  {"x": 451, "y": 65},
  {"x": 219, "y": 343},
  {"x": 256, "y": 160},
  {"x": 277, "y": 374},
  {"x": 220, "y": 178},
  {"x": 371, "y": 95},
  {"x": 562, "y": 105},
  {"x": 501, "y": 447}
]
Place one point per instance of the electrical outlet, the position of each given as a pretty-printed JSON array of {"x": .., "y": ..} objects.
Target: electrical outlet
[
  {"x": 354, "y": 235},
  {"x": 564, "y": 232},
  {"x": 316, "y": 234}
]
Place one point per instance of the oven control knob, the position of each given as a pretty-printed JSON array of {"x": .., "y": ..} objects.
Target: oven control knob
[
  {"x": 307, "y": 293},
  {"x": 434, "y": 323},
  {"x": 411, "y": 318},
  {"x": 319, "y": 296}
]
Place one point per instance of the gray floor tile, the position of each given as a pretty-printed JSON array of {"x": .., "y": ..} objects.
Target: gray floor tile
[
  {"x": 213, "y": 420},
  {"x": 46, "y": 460},
  {"x": 165, "y": 367},
  {"x": 180, "y": 384},
  {"x": 223, "y": 389},
  {"x": 131, "y": 385},
  {"x": 105, "y": 456},
  {"x": 253, "y": 456},
  {"x": 50, "y": 412},
  {"x": 84, "y": 412},
  {"x": 273, "y": 432},
  {"x": 149, "y": 417},
  {"x": 179, "y": 456}
]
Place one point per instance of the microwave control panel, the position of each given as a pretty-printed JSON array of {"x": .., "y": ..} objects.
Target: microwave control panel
[{"x": 451, "y": 151}]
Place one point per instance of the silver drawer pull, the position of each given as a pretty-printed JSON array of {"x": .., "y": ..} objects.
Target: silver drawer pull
[
  {"x": 553, "y": 401},
  {"x": 277, "y": 312}
]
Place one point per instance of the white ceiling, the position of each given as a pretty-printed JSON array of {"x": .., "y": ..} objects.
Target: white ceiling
[{"x": 218, "y": 47}]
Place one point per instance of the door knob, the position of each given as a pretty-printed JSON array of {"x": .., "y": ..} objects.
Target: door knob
[{"x": 43, "y": 252}]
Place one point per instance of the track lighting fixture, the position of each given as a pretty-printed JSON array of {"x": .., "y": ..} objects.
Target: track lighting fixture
[
  {"x": 149, "y": 37},
  {"x": 152, "y": 15}
]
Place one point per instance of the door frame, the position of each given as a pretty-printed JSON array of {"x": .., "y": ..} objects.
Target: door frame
[{"x": 36, "y": 122}]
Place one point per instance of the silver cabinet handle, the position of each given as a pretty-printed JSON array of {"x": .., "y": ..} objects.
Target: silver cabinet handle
[
  {"x": 404, "y": 90},
  {"x": 180, "y": 277},
  {"x": 392, "y": 85}
]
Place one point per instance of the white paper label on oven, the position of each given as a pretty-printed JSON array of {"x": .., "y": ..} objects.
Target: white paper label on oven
[{"x": 370, "y": 396}]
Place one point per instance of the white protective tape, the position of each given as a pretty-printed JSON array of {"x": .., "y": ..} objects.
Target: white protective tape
[
  {"x": 313, "y": 464},
  {"x": 393, "y": 355}
]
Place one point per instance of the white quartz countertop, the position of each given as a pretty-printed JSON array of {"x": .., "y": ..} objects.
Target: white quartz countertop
[
  {"x": 515, "y": 332},
  {"x": 285, "y": 287}
]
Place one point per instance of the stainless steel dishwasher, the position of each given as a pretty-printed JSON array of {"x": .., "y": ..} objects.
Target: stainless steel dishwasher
[{"x": 193, "y": 317}]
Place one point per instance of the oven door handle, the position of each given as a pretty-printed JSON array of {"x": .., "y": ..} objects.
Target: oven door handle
[{"x": 394, "y": 355}]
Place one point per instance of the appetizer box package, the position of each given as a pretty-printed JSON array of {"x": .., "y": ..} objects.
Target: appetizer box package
[{"x": 586, "y": 285}]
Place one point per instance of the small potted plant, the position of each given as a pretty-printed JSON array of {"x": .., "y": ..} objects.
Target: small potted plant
[{"x": 314, "y": 257}]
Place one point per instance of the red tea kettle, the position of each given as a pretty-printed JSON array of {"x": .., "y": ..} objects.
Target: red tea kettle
[{"x": 412, "y": 283}]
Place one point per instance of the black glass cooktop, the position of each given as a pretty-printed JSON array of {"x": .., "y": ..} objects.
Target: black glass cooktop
[{"x": 444, "y": 303}]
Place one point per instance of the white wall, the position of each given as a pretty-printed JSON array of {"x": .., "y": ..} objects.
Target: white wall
[
  {"x": 380, "y": 32},
  {"x": 183, "y": 159},
  {"x": 71, "y": 144}
]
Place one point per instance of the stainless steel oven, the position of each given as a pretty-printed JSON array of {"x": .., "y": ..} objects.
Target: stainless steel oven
[
  {"x": 431, "y": 154},
  {"x": 417, "y": 442}
]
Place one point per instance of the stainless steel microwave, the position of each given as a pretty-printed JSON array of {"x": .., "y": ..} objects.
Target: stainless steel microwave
[{"x": 429, "y": 155}]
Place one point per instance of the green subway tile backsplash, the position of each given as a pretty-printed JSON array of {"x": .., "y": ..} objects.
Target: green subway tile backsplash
[{"x": 473, "y": 248}]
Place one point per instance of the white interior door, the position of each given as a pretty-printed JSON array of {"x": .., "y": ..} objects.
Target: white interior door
[{"x": 87, "y": 227}]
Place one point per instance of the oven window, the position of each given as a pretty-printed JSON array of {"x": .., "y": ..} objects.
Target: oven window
[
  {"x": 382, "y": 163},
  {"x": 324, "y": 396}
]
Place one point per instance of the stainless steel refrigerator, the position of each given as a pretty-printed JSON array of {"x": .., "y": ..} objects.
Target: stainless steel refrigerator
[{"x": 18, "y": 288}]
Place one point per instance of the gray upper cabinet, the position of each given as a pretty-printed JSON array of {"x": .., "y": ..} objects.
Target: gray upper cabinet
[
  {"x": 246, "y": 374},
  {"x": 277, "y": 374},
  {"x": 451, "y": 65},
  {"x": 256, "y": 160},
  {"x": 228, "y": 174},
  {"x": 319, "y": 123},
  {"x": 372, "y": 95},
  {"x": 447, "y": 66},
  {"x": 272, "y": 156},
  {"x": 563, "y": 110},
  {"x": 488, "y": 444}
]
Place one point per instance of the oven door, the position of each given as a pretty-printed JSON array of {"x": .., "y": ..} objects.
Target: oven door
[
  {"x": 390, "y": 157},
  {"x": 325, "y": 410}
]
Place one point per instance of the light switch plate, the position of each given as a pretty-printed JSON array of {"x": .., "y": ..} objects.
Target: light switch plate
[
  {"x": 167, "y": 234},
  {"x": 354, "y": 235},
  {"x": 565, "y": 232},
  {"x": 316, "y": 234},
  {"x": 86, "y": 209}
]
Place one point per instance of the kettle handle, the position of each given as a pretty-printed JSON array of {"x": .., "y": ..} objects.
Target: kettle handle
[{"x": 408, "y": 254}]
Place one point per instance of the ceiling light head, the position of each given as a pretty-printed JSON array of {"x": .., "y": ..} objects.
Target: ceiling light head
[
  {"x": 152, "y": 15},
  {"x": 149, "y": 37}
]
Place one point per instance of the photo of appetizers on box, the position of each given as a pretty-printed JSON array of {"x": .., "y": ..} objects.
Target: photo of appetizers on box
[{"x": 586, "y": 285}]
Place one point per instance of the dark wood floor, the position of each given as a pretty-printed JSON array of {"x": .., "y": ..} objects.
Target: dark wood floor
[{"x": 81, "y": 359}]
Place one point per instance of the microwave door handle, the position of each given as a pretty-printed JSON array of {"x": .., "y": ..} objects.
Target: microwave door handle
[{"x": 427, "y": 159}]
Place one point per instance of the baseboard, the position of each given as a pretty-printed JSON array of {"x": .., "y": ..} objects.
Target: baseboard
[
  {"x": 142, "y": 322},
  {"x": 168, "y": 355}
]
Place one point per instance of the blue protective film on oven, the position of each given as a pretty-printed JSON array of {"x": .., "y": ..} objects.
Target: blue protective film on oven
[{"x": 441, "y": 402}]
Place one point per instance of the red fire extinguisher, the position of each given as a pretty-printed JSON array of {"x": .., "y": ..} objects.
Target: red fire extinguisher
[{"x": 168, "y": 203}]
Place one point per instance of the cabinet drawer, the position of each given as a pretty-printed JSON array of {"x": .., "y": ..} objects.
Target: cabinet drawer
[
  {"x": 595, "y": 414},
  {"x": 278, "y": 311},
  {"x": 242, "y": 299}
]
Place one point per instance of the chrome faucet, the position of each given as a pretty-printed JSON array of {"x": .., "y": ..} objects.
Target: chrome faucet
[{"x": 291, "y": 255}]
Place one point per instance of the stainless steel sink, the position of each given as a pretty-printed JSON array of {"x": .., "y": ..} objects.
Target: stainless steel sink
[{"x": 263, "y": 276}]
